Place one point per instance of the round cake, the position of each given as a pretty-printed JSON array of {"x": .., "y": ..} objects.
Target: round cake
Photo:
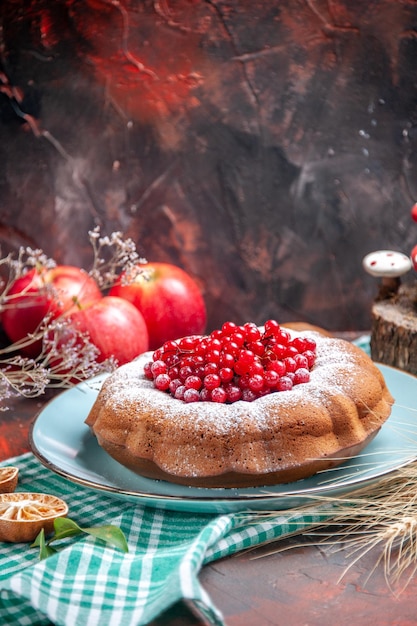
[{"x": 278, "y": 437}]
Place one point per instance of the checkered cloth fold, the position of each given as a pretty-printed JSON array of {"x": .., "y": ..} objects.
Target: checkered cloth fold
[{"x": 87, "y": 582}]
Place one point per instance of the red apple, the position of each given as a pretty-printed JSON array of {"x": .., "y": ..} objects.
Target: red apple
[
  {"x": 45, "y": 292},
  {"x": 114, "y": 326},
  {"x": 169, "y": 300}
]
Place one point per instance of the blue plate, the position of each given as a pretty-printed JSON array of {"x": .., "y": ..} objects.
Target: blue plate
[{"x": 63, "y": 443}]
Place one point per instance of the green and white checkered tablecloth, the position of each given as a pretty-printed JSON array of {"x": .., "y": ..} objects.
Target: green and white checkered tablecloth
[{"x": 88, "y": 583}]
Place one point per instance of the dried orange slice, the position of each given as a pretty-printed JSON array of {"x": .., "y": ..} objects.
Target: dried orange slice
[
  {"x": 23, "y": 515},
  {"x": 8, "y": 479}
]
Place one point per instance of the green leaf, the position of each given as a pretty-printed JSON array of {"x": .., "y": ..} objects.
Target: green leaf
[
  {"x": 44, "y": 549},
  {"x": 65, "y": 527},
  {"x": 110, "y": 534}
]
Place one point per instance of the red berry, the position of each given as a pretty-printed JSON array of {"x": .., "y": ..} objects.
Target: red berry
[
  {"x": 226, "y": 374},
  {"x": 271, "y": 378},
  {"x": 179, "y": 392},
  {"x": 193, "y": 382},
  {"x": 232, "y": 363},
  {"x": 299, "y": 343},
  {"x": 278, "y": 367},
  {"x": 311, "y": 357},
  {"x": 147, "y": 370},
  {"x": 301, "y": 361},
  {"x": 310, "y": 344},
  {"x": 158, "y": 367},
  {"x": 301, "y": 375},
  {"x": 248, "y": 395},
  {"x": 414, "y": 212},
  {"x": 271, "y": 327},
  {"x": 233, "y": 393},
  {"x": 211, "y": 381},
  {"x": 174, "y": 384},
  {"x": 219, "y": 395},
  {"x": 290, "y": 364},
  {"x": 162, "y": 382},
  {"x": 228, "y": 328},
  {"x": 252, "y": 332},
  {"x": 191, "y": 395},
  {"x": 205, "y": 395},
  {"x": 256, "y": 382},
  {"x": 185, "y": 371},
  {"x": 226, "y": 360},
  {"x": 210, "y": 368},
  {"x": 284, "y": 384}
]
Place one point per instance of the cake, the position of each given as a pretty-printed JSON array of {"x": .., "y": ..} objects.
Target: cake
[{"x": 278, "y": 437}]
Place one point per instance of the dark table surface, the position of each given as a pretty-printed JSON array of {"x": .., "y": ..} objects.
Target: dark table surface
[{"x": 299, "y": 586}]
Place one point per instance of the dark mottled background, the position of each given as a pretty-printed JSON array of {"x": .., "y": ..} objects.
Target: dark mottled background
[{"x": 265, "y": 147}]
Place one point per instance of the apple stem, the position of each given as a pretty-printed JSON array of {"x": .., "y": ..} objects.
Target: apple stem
[{"x": 77, "y": 302}]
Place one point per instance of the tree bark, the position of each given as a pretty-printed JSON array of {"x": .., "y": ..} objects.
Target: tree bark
[{"x": 394, "y": 330}]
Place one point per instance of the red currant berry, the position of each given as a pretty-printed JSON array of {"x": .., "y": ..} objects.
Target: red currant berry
[
  {"x": 211, "y": 368},
  {"x": 230, "y": 347},
  {"x": 147, "y": 370},
  {"x": 283, "y": 336},
  {"x": 284, "y": 384},
  {"x": 170, "y": 347},
  {"x": 248, "y": 395},
  {"x": 291, "y": 351},
  {"x": 226, "y": 374},
  {"x": 218, "y": 395},
  {"x": 241, "y": 368},
  {"x": 299, "y": 343},
  {"x": 158, "y": 367},
  {"x": 213, "y": 356},
  {"x": 290, "y": 364},
  {"x": 158, "y": 354},
  {"x": 228, "y": 328},
  {"x": 191, "y": 395},
  {"x": 193, "y": 382},
  {"x": 310, "y": 344},
  {"x": 162, "y": 382},
  {"x": 179, "y": 392},
  {"x": 278, "y": 367},
  {"x": 311, "y": 357},
  {"x": 279, "y": 350},
  {"x": 233, "y": 393},
  {"x": 252, "y": 332},
  {"x": 414, "y": 212},
  {"x": 257, "y": 347},
  {"x": 301, "y": 375},
  {"x": 301, "y": 361},
  {"x": 174, "y": 384},
  {"x": 211, "y": 381},
  {"x": 256, "y": 368},
  {"x": 271, "y": 378},
  {"x": 256, "y": 382},
  {"x": 185, "y": 371},
  {"x": 271, "y": 327},
  {"x": 238, "y": 338},
  {"x": 187, "y": 344},
  {"x": 226, "y": 360},
  {"x": 205, "y": 395}
]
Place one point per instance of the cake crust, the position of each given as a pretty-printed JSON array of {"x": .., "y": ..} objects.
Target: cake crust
[{"x": 279, "y": 438}]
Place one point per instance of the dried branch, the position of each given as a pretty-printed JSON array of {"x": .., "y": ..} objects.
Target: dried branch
[{"x": 67, "y": 355}]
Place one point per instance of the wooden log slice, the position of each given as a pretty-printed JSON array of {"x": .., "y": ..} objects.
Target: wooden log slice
[{"x": 394, "y": 330}]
